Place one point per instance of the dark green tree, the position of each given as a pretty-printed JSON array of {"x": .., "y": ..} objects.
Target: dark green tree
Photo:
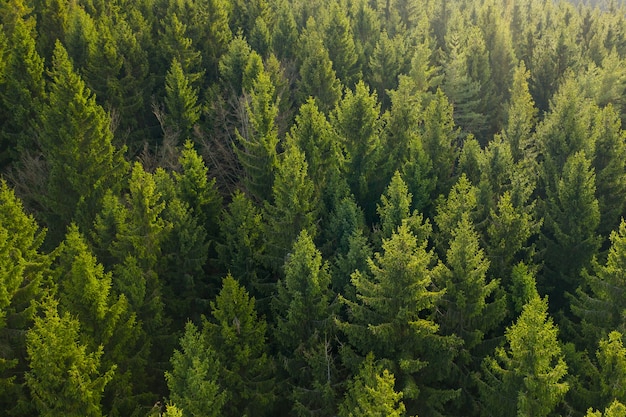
[
  {"x": 257, "y": 150},
  {"x": 357, "y": 121},
  {"x": 400, "y": 332},
  {"x": 181, "y": 102},
  {"x": 193, "y": 381},
  {"x": 339, "y": 41},
  {"x": 569, "y": 237},
  {"x": 318, "y": 79},
  {"x": 304, "y": 330},
  {"x": 294, "y": 206},
  {"x": 238, "y": 338},
  {"x": 76, "y": 140},
  {"x": 21, "y": 94}
]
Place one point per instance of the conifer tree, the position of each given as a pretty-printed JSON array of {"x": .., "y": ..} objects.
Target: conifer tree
[
  {"x": 237, "y": 336},
  {"x": 386, "y": 63},
  {"x": 258, "y": 148},
  {"x": 313, "y": 135},
  {"x": 21, "y": 94},
  {"x": 521, "y": 115},
  {"x": 525, "y": 377},
  {"x": 357, "y": 121},
  {"x": 472, "y": 305},
  {"x": 65, "y": 376},
  {"x": 611, "y": 356},
  {"x": 22, "y": 279},
  {"x": 77, "y": 142},
  {"x": 569, "y": 237},
  {"x": 181, "y": 102},
  {"x": 440, "y": 141},
  {"x": 304, "y": 330},
  {"x": 339, "y": 41},
  {"x": 372, "y": 393},
  {"x": 294, "y": 206},
  {"x": 175, "y": 46},
  {"x": 400, "y": 332},
  {"x": 243, "y": 249},
  {"x": 616, "y": 409},
  {"x": 609, "y": 163},
  {"x": 318, "y": 79},
  {"x": 194, "y": 379},
  {"x": 232, "y": 64},
  {"x": 284, "y": 30},
  {"x": 601, "y": 299},
  {"x": 194, "y": 187}
]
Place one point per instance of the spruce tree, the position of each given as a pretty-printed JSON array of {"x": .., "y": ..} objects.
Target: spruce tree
[
  {"x": 193, "y": 381},
  {"x": 238, "y": 338},
  {"x": 65, "y": 376},
  {"x": 371, "y": 393},
  {"x": 23, "y": 268},
  {"x": 304, "y": 330},
  {"x": 525, "y": 377},
  {"x": 181, "y": 102},
  {"x": 76, "y": 140},
  {"x": 401, "y": 333}
]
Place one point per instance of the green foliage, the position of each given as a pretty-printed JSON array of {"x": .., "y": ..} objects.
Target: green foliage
[
  {"x": 77, "y": 142},
  {"x": 193, "y": 380},
  {"x": 65, "y": 378},
  {"x": 525, "y": 378},
  {"x": 371, "y": 393},
  {"x": 400, "y": 332},
  {"x": 237, "y": 336},
  {"x": 318, "y": 79},
  {"x": 294, "y": 206},
  {"x": 304, "y": 329},
  {"x": 181, "y": 102},
  {"x": 357, "y": 121},
  {"x": 258, "y": 148},
  {"x": 23, "y": 269}
]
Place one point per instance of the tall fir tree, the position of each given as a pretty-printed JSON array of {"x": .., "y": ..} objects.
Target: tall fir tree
[
  {"x": 238, "y": 337},
  {"x": 401, "y": 333},
  {"x": 181, "y": 102},
  {"x": 76, "y": 140},
  {"x": 525, "y": 377}
]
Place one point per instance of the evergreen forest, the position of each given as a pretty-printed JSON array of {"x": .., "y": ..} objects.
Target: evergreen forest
[{"x": 312, "y": 208}]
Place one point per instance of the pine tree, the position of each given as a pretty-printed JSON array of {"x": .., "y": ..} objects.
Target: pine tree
[
  {"x": 304, "y": 329},
  {"x": 371, "y": 393},
  {"x": 21, "y": 95},
  {"x": 339, "y": 41},
  {"x": 65, "y": 376},
  {"x": 76, "y": 141},
  {"x": 294, "y": 206},
  {"x": 611, "y": 356},
  {"x": 193, "y": 380},
  {"x": 601, "y": 299},
  {"x": 357, "y": 121},
  {"x": 232, "y": 64},
  {"x": 609, "y": 163},
  {"x": 258, "y": 148},
  {"x": 318, "y": 79},
  {"x": 521, "y": 117},
  {"x": 237, "y": 336},
  {"x": 314, "y": 136},
  {"x": 386, "y": 63},
  {"x": 181, "y": 102},
  {"x": 400, "y": 332},
  {"x": 569, "y": 236},
  {"x": 525, "y": 378},
  {"x": 243, "y": 249},
  {"x": 472, "y": 305},
  {"x": 194, "y": 188},
  {"x": 22, "y": 278},
  {"x": 175, "y": 46},
  {"x": 439, "y": 138},
  {"x": 616, "y": 409}
]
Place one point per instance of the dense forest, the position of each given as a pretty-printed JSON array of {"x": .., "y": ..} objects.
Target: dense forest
[{"x": 312, "y": 208}]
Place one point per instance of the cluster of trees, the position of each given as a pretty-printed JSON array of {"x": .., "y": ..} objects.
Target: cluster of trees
[{"x": 312, "y": 208}]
